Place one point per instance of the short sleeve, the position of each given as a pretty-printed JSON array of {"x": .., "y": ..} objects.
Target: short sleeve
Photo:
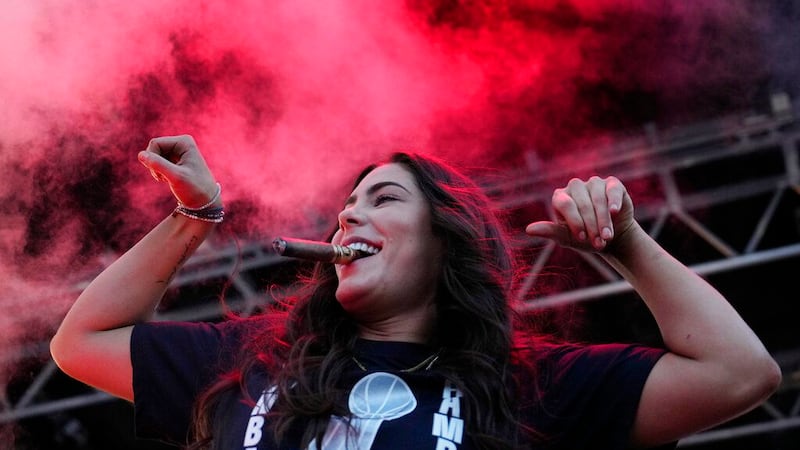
[
  {"x": 172, "y": 363},
  {"x": 589, "y": 395}
]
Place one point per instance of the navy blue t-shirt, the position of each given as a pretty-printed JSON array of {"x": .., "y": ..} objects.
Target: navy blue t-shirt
[{"x": 589, "y": 394}]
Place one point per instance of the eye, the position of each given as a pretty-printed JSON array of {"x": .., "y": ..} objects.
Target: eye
[{"x": 383, "y": 198}]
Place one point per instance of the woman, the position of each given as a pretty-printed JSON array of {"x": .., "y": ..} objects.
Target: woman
[{"x": 413, "y": 346}]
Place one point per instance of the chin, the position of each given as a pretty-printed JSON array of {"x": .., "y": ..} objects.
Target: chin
[
  {"x": 347, "y": 296},
  {"x": 354, "y": 300}
]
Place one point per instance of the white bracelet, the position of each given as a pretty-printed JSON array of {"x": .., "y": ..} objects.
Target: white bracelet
[{"x": 214, "y": 198}]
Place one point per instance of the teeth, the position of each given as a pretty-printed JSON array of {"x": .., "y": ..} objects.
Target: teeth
[{"x": 362, "y": 246}]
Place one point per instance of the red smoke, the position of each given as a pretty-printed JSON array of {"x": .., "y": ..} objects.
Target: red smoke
[{"x": 288, "y": 99}]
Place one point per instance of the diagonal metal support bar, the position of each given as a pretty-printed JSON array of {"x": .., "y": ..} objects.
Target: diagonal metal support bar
[
  {"x": 765, "y": 220},
  {"x": 41, "y": 379},
  {"x": 55, "y": 406},
  {"x": 700, "y": 229}
]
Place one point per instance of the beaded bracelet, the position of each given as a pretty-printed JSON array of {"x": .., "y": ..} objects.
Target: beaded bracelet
[
  {"x": 215, "y": 215},
  {"x": 205, "y": 213}
]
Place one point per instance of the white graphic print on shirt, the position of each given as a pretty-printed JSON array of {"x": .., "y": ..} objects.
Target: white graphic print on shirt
[{"x": 376, "y": 398}]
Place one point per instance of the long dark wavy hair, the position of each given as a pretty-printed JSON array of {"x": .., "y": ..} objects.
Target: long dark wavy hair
[{"x": 307, "y": 344}]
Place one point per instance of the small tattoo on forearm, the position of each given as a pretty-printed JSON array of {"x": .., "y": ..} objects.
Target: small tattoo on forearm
[{"x": 187, "y": 250}]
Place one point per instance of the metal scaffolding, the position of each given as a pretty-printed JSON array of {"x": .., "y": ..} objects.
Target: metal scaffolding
[{"x": 662, "y": 158}]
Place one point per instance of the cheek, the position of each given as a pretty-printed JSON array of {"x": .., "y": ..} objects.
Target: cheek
[
  {"x": 429, "y": 250},
  {"x": 337, "y": 237}
]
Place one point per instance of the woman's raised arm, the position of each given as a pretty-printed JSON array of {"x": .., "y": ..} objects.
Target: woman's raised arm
[
  {"x": 93, "y": 342},
  {"x": 716, "y": 368}
]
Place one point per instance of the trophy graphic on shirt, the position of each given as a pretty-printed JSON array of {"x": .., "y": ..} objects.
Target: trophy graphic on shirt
[{"x": 375, "y": 398}]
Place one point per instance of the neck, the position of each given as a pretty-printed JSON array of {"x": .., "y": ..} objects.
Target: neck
[{"x": 415, "y": 328}]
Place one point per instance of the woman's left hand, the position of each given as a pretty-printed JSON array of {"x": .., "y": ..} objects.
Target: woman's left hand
[{"x": 590, "y": 215}]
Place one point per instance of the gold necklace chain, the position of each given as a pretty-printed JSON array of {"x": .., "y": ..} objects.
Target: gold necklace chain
[{"x": 427, "y": 363}]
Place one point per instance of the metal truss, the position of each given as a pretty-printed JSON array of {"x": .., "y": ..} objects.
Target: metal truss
[
  {"x": 658, "y": 156},
  {"x": 720, "y": 142}
]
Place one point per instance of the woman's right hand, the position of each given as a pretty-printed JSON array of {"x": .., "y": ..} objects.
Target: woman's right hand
[{"x": 177, "y": 160}]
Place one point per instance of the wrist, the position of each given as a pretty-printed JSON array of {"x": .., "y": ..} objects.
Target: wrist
[
  {"x": 211, "y": 211},
  {"x": 625, "y": 245}
]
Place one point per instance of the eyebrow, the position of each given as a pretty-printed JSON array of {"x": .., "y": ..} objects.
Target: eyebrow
[{"x": 374, "y": 188}]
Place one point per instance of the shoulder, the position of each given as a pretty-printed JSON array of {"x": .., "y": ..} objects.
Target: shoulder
[
  {"x": 559, "y": 367},
  {"x": 585, "y": 396},
  {"x": 232, "y": 328},
  {"x": 595, "y": 355},
  {"x": 194, "y": 338}
]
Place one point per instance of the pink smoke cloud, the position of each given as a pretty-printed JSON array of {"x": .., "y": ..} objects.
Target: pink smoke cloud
[{"x": 289, "y": 99}]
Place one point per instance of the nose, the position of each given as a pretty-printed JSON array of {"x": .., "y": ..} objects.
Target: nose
[{"x": 350, "y": 216}]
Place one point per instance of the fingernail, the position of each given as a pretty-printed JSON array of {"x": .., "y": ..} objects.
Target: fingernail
[
  {"x": 599, "y": 242},
  {"x": 582, "y": 235},
  {"x": 606, "y": 233}
]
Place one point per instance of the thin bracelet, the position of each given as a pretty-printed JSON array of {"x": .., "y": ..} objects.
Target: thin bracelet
[
  {"x": 214, "y": 198},
  {"x": 215, "y": 215}
]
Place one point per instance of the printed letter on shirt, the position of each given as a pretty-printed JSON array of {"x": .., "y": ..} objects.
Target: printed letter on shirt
[
  {"x": 252, "y": 435},
  {"x": 447, "y": 424}
]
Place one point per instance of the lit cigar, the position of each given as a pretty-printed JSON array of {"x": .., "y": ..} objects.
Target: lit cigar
[{"x": 316, "y": 251}]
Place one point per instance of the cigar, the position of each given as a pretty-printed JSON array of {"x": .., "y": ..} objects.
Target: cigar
[{"x": 316, "y": 251}]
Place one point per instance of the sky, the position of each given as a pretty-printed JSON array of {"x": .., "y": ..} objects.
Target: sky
[{"x": 289, "y": 99}]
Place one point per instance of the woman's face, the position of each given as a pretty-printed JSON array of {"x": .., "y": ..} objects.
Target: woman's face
[{"x": 388, "y": 215}]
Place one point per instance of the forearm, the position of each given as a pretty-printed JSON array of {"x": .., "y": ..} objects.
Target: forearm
[
  {"x": 129, "y": 289},
  {"x": 695, "y": 320}
]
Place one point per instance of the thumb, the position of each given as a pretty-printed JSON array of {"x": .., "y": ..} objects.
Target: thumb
[
  {"x": 160, "y": 168},
  {"x": 547, "y": 230}
]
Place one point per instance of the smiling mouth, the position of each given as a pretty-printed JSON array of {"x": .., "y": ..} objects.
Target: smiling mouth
[{"x": 364, "y": 250}]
